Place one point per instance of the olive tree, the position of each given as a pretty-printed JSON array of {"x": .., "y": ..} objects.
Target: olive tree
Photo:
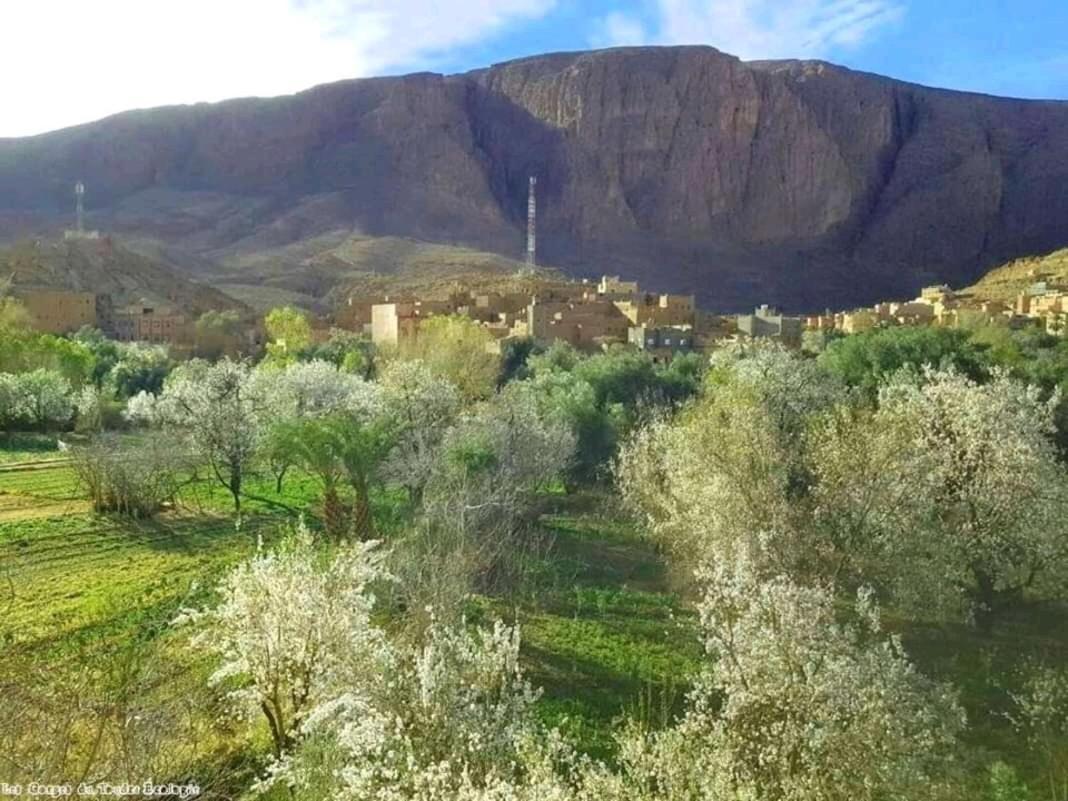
[
  {"x": 424, "y": 406},
  {"x": 219, "y": 408},
  {"x": 732, "y": 462},
  {"x": 950, "y": 491}
]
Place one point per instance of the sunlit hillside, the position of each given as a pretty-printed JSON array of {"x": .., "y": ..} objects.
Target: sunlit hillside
[{"x": 1007, "y": 281}]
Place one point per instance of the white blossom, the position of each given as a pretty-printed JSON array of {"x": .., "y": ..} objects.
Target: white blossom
[
  {"x": 425, "y": 406},
  {"x": 293, "y": 630},
  {"x": 951, "y": 490},
  {"x": 798, "y": 705},
  {"x": 219, "y": 408}
]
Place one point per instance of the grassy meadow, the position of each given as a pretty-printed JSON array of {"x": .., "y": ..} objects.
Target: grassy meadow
[{"x": 88, "y": 603}]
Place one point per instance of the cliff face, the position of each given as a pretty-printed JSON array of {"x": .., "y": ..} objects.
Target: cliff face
[{"x": 793, "y": 182}]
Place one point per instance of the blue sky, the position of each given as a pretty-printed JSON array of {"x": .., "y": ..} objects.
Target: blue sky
[
  {"x": 1018, "y": 49},
  {"x": 110, "y": 55}
]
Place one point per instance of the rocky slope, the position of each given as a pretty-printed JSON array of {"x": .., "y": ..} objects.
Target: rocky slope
[
  {"x": 1006, "y": 282},
  {"x": 106, "y": 266},
  {"x": 794, "y": 182}
]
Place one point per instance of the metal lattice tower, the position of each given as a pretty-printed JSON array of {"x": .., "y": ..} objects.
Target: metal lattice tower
[
  {"x": 532, "y": 224},
  {"x": 79, "y": 209}
]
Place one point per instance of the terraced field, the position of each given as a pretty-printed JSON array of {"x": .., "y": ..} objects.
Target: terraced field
[
  {"x": 86, "y": 605},
  {"x": 34, "y": 490},
  {"x": 87, "y": 648}
]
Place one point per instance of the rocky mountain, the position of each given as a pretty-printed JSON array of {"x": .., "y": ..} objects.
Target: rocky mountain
[{"x": 800, "y": 183}]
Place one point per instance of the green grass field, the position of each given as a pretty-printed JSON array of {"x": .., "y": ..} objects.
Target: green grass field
[
  {"x": 21, "y": 448},
  {"x": 86, "y": 604},
  {"x": 602, "y": 633}
]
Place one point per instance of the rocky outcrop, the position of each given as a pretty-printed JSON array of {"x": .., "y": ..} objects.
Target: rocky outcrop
[{"x": 793, "y": 182}]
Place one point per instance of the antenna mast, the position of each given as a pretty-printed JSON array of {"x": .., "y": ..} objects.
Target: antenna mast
[
  {"x": 532, "y": 224},
  {"x": 79, "y": 209}
]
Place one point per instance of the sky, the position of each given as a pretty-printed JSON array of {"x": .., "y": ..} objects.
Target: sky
[{"x": 67, "y": 62}]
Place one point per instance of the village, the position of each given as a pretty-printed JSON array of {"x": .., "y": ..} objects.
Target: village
[{"x": 590, "y": 316}]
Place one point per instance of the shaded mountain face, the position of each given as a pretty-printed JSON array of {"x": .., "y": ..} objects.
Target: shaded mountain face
[{"x": 798, "y": 183}]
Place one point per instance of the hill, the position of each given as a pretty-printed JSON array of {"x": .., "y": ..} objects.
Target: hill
[
  {"x": 106, "y": 266},
  {"x": 317, "y": 274},
  {"x": 1006, "y": 282},
  {"x": 798, "y": 183}
]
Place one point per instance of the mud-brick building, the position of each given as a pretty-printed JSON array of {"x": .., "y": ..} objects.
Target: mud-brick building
[
  {"x": 55, "y": 311},
  {"x": 144, "y": 323}
]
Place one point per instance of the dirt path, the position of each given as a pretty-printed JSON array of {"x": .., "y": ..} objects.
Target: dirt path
[
  {"x": 43, "y": 464},
  {"x": 42, "y": 510}
]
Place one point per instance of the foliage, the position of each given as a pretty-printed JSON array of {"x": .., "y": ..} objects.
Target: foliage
[
  {"x": 731, "y": 463},
  {"x": 290, "y": 333},
  {"x": 14, "y": 318},
  {"x": 335, "y": 426},
  {"x": 135, "y": 481},
  {"x": 218, "y": 334},
  {"x": 105, "y": 352},
  {"x": 1040, "y": 715},
  {"x": 41, "y": 399},
  {"x": 568, "y": 398},
  {"x": 866, "y": 360},
  {"x": 602, "y": 397},
  {"x": 455, "y": 721},
  {"x": 346, "y": 350},
  {"x": 25, "y": 351},
  {"x": 515, "y": 355},
  {"x": 140, "y": 368},
  {"x": 492, "y": 463},
  {"x": 1005, "y": 784},
  {"x": 957, "y": 492},
  {"x": 424, "y": 407},
  {"x": 800, "y": 706},
  {"x": 219, "y": 409},
  {"x": 458, "y": 350},
  {"x": 479, "y": 501},
  {"x": 293, "y": 630}
]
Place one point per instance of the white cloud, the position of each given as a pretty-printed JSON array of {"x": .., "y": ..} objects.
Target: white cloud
[
  {"x": 70, "y": 61},
  {"x": 755, "y": 29},
  {"x": 619, "y": 29}
]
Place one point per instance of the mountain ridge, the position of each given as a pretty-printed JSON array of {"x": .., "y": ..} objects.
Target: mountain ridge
[{"x": 793, "y": 182}]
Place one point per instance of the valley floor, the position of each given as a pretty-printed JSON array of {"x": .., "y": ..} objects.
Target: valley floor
[{"x": 89, "y": 657}]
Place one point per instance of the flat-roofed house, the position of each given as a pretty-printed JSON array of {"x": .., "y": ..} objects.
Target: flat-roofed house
[
  {"x": 768, "y": 323},
  {"x": 55, "y": 311}
]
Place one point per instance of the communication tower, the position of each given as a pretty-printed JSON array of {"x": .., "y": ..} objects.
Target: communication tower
[
  {"x": 79, "y": 207},
  {"x": 532, "y": 224},
  {"x": 79, "y": 232}
]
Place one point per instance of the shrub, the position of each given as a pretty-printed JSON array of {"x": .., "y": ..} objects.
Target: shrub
[{"x": 131, "y": 480}]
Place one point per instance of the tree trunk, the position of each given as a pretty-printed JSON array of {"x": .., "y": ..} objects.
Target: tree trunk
[
  {"x": 333, "y": 513},
  {"x": 235, "y": 490},
  {"x": 986, "y": 597},
  {"x": 363, "y": 523}
]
